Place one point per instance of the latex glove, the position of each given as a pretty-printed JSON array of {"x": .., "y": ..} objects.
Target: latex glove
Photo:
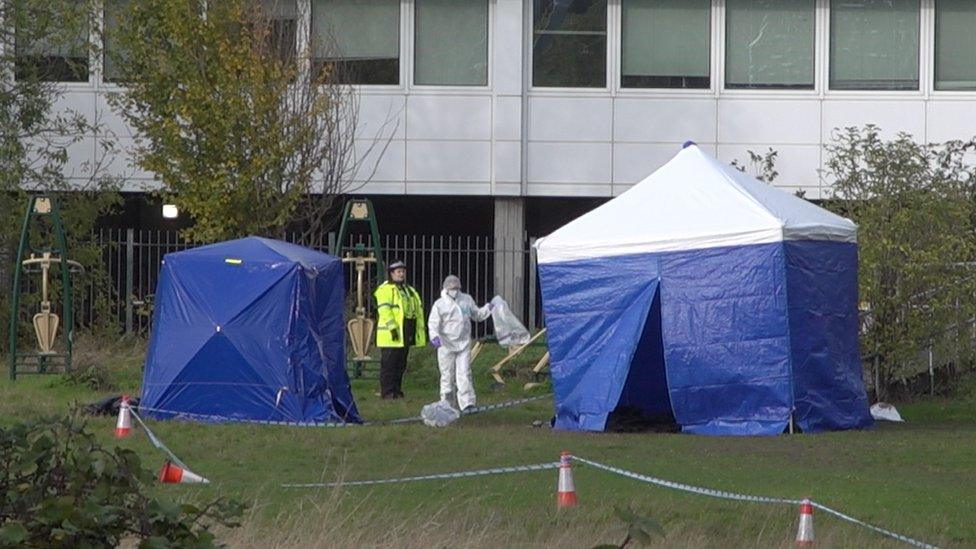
[
  {"x": 395, "y": 334},
  {"x": 436, "y": 342}
]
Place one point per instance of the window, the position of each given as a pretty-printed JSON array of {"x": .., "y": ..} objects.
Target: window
[
  {"x": 111, "y": 71},
  {"x": 955, "y": 45},
  {"x": 60, "y": 54},
  {"x": 358, "y": 41},
  {"x": 282, "y": 20},
  {"x": 874, "y": 44},
  {"x": 665, "y": 43},
  {"x": 769, "y": 43},
  {"x": 569, "y": 43},
  {"x": 451, "y": 43}
]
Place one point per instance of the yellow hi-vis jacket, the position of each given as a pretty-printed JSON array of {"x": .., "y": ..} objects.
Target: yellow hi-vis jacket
[{"x": 389, "y": 312}]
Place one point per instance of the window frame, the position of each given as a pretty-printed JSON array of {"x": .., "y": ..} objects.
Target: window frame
[
  {"x": 925, "y": 46},
  {"x": 411, "y": 46},
  {"x": 933, "y": 60},
  {"x": 714, "y": 9},
  {"x": 612, "y": 43},
  {"x": 94, "y": 59},
  {"x": 774, "y": 89},
  {"x": 305, "y": 26}
]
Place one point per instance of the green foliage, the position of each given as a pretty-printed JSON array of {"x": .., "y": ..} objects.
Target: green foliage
[
  {"x": 763, "y": 165},
  {"x": 915, "y": 210},
  {"x": 238, "y": 133},
  {"x": 61, "y": 488},
  {"x": 35, "y": 139},
  {"x": 640, "y": 529}
]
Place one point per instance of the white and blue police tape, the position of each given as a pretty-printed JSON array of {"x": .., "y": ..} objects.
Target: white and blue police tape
[
  {"x": 178, "y": 415},
  {"x": 460, "y": 474},
  {"x": 158, "y": 443},
  {"x": 746, "y": 497}
]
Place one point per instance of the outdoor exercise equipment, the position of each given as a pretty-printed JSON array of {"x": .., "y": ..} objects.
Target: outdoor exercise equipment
[
  {"x": 515, "y": 351},
  {"x": 360, "y": 328},
  {"x": 46, "y": 323}
]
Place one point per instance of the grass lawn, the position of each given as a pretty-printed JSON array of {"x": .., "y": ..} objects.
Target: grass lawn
[{"x": 917, "y": 478}]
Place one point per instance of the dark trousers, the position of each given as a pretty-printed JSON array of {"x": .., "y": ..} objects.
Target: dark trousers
[{"x": 393, "y": 362}]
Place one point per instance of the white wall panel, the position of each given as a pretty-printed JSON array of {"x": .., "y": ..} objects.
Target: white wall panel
[
  {"x": 507, "y": 161},
  {"x": 458, "y": 161},
  {"x": 570, "y": 119},
  {"x": 562, "y": 189},
  {"x": 769, "y": 121},
  {"x": 381, "y": 116},
  {"x": 110, "y": 121},
  {"x": 664, "y": 120},
  {"x": 892, "y": 116},
  {"x": 632, "y": 162},
  {"x": 448, "y": 188},
  {"x": 507, "y": 115},
  {"x": 797, "y": 164},
  {"x": 121, "y": 164},
  {"x": 507, "y": 189},
  {"x": 385, "y": 166},
  {"x": 948, "y": 120},
  {"x": 75, "y": 103},
  {"x": 449, "y": 117},
  {"x": 569, "y": 163}
]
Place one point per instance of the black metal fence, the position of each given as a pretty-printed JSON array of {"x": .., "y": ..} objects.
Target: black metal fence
[{"x": 132, "y": 259}]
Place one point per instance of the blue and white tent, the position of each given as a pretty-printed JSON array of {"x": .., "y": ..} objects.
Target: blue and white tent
[
  {"x": 705, "y": 293},
  {"x": 249, "y": 330}
]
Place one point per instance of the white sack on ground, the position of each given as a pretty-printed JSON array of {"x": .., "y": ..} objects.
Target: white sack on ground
[
  {"x": 509, "y": 330},
  {"x": 439, "y": 414},
  {"x": 885, "y": 412}
]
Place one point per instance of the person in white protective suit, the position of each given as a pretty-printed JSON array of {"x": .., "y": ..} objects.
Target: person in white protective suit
[{"x": 449, "y": 327}]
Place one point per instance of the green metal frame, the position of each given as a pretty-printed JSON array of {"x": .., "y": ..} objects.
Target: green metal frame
[
  {"x": 60, "y": 248},
  {"x": 339, "y": 246},
  {"x": 358, "y": 368}
]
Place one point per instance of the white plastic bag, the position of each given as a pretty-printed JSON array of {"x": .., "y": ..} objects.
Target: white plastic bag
[
  {"x": 509, "y": 330},
  {"x": 439, "y": 414},
  {"x": 886, "y": 412}
]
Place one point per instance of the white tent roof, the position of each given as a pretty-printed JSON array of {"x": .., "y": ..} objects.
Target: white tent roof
[{"x": 693, "y": 202}]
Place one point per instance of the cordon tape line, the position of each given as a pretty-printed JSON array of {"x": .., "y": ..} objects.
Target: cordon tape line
[
  {"x": 721, "y": 494},
  {"x": 888, "y": 533},
  {"x": 412, "y": 419},
  {"x": 745, "y": 497},
  {"x": 460, "y": 474},
  {"x": 158, "y": 443}
]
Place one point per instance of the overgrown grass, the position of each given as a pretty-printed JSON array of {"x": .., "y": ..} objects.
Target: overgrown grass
[{"x": 916, "y": 478}]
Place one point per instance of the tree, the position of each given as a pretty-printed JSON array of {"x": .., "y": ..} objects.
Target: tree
[
  {"x": 238, "y": 129},
  {"x": 913, "y": 205},
  {"x": 41, "y": 42}
]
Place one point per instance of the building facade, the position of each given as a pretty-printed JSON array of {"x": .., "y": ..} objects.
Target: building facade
[{"x": 523, "y": 105}]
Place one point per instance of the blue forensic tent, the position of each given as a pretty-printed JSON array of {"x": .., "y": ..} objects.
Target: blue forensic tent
[
  {"x": 250, "y": 329},
  {"x": 705, "y": 293}
]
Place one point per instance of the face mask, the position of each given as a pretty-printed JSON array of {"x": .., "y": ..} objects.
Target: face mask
[{"x": 452, "y": 293}]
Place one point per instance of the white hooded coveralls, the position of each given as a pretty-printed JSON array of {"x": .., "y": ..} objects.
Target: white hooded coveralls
[{"x": 450, "y": 320}]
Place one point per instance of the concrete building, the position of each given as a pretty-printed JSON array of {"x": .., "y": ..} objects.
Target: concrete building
[{"x": 516, "y": 106}]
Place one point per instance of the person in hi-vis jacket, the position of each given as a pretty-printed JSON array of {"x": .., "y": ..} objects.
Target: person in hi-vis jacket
[
  {"x": 449, "y": 327},
  {"x": 399, "y": 326}
]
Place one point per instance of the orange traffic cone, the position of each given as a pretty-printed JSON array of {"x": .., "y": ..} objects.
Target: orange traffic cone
[
  {"x": 174, "y": 474},
  {"x": 123, "y": 427},
  {"x": 566, "y": 491},
  {"x": 804, "y": 534}
]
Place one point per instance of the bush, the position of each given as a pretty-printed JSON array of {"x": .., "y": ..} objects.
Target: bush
[{"x": 61, "y": 488}]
